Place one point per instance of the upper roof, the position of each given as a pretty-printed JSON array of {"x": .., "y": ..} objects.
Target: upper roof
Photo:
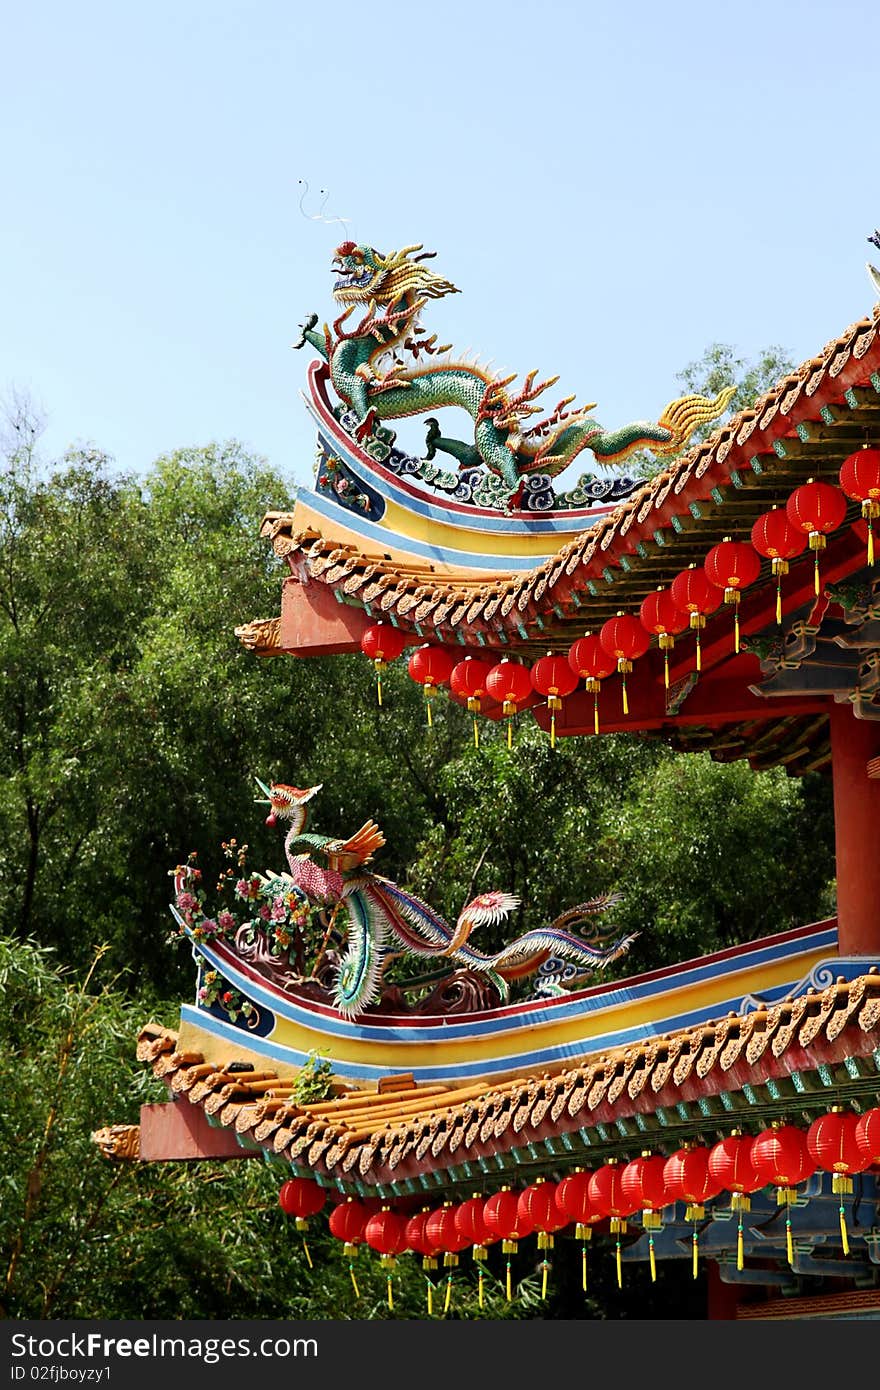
[{"x": 805, "y": 426}]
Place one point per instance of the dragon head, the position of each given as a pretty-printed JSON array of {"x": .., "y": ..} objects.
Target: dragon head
[{"x": 365, "y": 275}]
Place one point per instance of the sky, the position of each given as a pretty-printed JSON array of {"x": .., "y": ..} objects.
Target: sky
[{"x": 611, "y": 187}]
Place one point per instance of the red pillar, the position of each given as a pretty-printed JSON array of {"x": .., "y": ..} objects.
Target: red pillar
[{"x": 854, "y": 742}]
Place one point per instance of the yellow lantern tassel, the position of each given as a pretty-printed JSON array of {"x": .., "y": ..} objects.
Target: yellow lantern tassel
[
  {"x": 652, "y": 1259},
  {"x": 509, "y": 1291},
  {"x": 553, "y": 729},
  {"x": 816, "y": 573},
  {"x": 699, "y": 652},
  {"x": 476, "y": 733},
  {"x": 510, "y": 733},
  {"x": 596, "y": 712},
  {"x": 430, "y": 715},
  {"x": 430, "y": 1289},
  {"x": 870, "y": 542},
  {"x": 480, "y": 1287},
  {"x": 696, "y": 1254},
  {"x": 843, "y": 1233},
  {"x": 779, "y": 598},
  {"x": 545, "y": 1269},
  {"x": 739, "y": 1243},
  {"x": 666, "y": 669},
  {"x": 448, "y": 1299},
  {"x": 308, "y": 1255},
  {"x": 619, "y": 1266},
  {"x": 584, "y": 1267},
  {"x": 788, "y": 1241},
  {"x": 625, "y": 701},
  {"x": 736, "y": 630},
  {"x": 354, "y": 1282},
  {"x": 390, "y": 1292}
]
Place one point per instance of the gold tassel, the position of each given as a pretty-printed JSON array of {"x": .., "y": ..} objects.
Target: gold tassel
[
  {"x": 619, "y": 1266},
  {"x": 699, "y": 655},
  {"x": 870, "y": 542},
  {"x": 390, "y": 1292},
  {"x": 584, "y": 1267},
  {"x": 430, "y": 715},
  {"x": 652, "y": 1259},
  {"x": 430, "y": 1297},
  {"x": 480, "y": 1287},
  {"x": 545, "y": 1268},
  {"x": 509, "y": 1293},
  {"x": 739, "y": 1243},
  {"x": 553, "y": 730},
  {"x": 666, "y": 669},
  {"x": 843, "y": 1233},
  {"x": 788, "y": 1241},
  {"x": 816, "y": 574},
  {"x": 510, "y": 733},
  {"x": 448, "y": 1300},
  {"x": 736, "y": 630},
  {"x": 476, "y": 734},
  {"x": 779, "y": 598},
  {"x": 354, "y": 1282},
  {"x": 696, "y": 1255},
  {"x": 379, "y": 688},
  {"x": 625, "y": 701},
  {"x": 596, "y": 712},
  {"x": 308, "y": 1255}
]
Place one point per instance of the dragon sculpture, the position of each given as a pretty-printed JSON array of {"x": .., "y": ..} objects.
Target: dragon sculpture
[
  {"x": 385, "y": 921},
  {"x": 377, "y": 368}
]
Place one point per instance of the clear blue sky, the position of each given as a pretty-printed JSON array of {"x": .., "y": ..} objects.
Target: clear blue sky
[{"x": 612, "y": 187}]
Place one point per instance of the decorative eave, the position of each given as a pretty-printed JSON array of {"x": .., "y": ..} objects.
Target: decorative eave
[
  {"x": 797, "y": 1057},
  {"x": 804, "y": 426}
]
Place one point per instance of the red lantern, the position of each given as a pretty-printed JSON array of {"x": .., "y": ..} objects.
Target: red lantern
[
  {"x": 730, "y": 1163},
  {"x": 468, "y": 680},
  {"x": 537, "y": 1203},
  {"x": 417, "y": 1240},
  {"x": 860, "y": 480},
  {"x": 695, "y": 595},
  {"x": 589, "y": 660},
  {"x": 442, "y": 1230},
  {"x": 774, "y": 537},
  {"x": 816, "y": 509},
  {"x": 781, "y": 1157},
  {"x": 607, "y": 1198},
  {"x": 386, "y": 1232},
  {"x": 507, "y": 1223},
  {"x": 347, "y": 1223},
  {"x": 431, "y": 667},
  {"x": 688, "y": 1179},
  {"x": 552, "y": 676},
  {"x": 868, "y": 1136},
  {"x": 833, "y": 1143},
  {"x": 644, "y": 1185},
  {"x": 732, "y": 566},
  {"x": 302, "y": 1198},
  {"x": 573, "y": 1202},
  {"x": 382, "y": 643},
  {"x": 470, "y": 1223},
  {"x": 661, "y": 615},
  {"x": 624, "y": 639},
  {"x": 511, "y": 685}
]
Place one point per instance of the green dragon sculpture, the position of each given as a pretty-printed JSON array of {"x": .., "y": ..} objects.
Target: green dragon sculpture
[{"x": 377, "y": 369}]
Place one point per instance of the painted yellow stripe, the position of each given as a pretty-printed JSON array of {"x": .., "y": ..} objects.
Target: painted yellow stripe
[{"x": 615, "y": 1018}]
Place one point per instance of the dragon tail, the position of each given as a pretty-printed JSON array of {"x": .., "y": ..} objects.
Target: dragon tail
[{"x": 681, "y": 417}]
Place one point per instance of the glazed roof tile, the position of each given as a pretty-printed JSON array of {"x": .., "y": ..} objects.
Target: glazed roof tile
[{"x": 806, "y": 1053}]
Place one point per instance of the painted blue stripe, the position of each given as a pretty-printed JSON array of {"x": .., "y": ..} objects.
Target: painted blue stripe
[
  {"x": 558, "y": 1011},
  {"x": 573, "y": 1052}
]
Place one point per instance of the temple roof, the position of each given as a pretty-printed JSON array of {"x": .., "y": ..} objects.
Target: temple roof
[
  {"x": 796, "y": 1057},
  {"x": 806, "y": 425}
]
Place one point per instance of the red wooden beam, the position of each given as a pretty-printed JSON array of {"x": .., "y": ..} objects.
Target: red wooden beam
[{"x": 178, "y": 1131}]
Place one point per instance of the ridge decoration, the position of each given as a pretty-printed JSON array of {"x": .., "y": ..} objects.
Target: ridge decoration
[{"x": 379, "y": 369}]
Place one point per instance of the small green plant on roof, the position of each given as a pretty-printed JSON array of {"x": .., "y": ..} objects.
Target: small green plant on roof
[{"x": 315, "y": 1081}]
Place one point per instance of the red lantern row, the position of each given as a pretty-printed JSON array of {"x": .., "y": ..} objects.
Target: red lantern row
[{"x": 782, "y": 1156}]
